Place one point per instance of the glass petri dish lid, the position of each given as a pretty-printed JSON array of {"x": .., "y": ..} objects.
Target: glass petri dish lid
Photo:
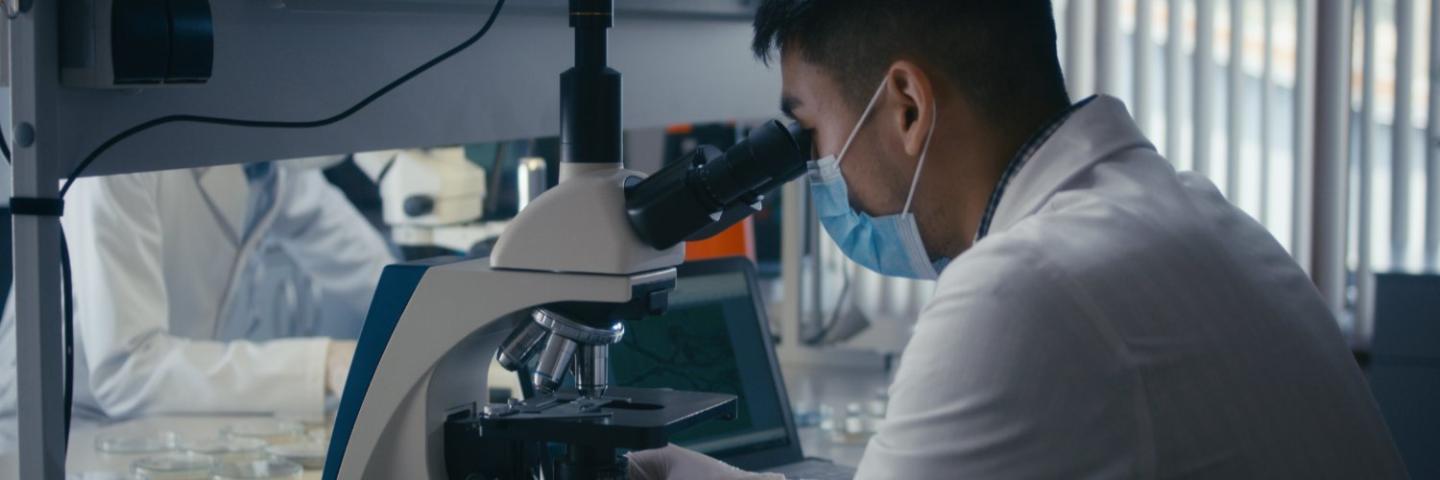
[
  {"x": 173, "y": 466},
  {"x": 98, "y": 476},
  {"x": 272, "y": 431},
  {"x": 271, "y": 469},
  {"x": 310, "y": 455},
  {"x": 136, "y": 442},
  {"x": 224, "y": 449}
]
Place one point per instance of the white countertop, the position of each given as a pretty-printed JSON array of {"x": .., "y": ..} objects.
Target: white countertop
[
  {"x": 84, "y": 457},
  {"x": 808, "y": 387},
  {"x": 836, "y": 387}
]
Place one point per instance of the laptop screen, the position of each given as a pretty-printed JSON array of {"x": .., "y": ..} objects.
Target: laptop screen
[{"x": 710, "y": 335}]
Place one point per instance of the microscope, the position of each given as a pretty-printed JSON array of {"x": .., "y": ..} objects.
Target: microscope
[{"x": 583, "y": 259}]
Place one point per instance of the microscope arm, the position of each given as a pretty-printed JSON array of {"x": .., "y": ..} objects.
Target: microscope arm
[{"x": 427, "y": 344}]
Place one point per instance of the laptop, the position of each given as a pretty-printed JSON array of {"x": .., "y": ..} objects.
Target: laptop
[{"x": 716, "y": 338}]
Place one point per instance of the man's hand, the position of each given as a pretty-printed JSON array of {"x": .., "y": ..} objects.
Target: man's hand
[
  {"x": 337, "y": 365},
  {"x": 675, "y": 462}
]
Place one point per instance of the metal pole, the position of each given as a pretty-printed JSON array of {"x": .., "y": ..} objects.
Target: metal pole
[
  {"x": 825, "y": 262},
  {"x": 1174, "y": 54},
  {"x": 1432, "y": 148},
  {"x": 792, "y": 257},
  {"x": 590, "y": 110},
  {"x": 1079, "y": 56},
  {"x": 1401, "y": 130},
  {"x": 1107, "y": 46},
  {"x": 1234, "y": 96},
  {"x": 1302, "y": 134},
  {"x": 39, "y": 355},
  {"x": 1363, "y": 268},
  {"x": 1144, "y": 45},
  {"x": 1332, "y": 112},
  {"x": 1267, "y": 81},
  {"x": 1204, "y": 82}
]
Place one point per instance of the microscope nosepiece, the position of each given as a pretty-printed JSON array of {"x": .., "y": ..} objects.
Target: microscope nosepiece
[{"x": 566, "y": 337}]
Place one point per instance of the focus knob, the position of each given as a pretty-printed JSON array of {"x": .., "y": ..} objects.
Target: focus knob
[{"x": 419, "y": 205}]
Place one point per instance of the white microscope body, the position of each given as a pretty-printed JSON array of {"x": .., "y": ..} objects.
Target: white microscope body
[
  {"x": 432, "y": 197},
  {"x": 424, "y": 355},
  {"x": 598, "y": 249}
]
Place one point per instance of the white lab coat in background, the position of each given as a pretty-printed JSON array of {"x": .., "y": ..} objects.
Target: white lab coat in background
[
  {"x": 185, "y": 305},
  {"x": 1123, "y": 321}
]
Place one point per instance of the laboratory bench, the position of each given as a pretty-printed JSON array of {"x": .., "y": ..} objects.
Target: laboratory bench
[
  {"x": 809, "y": 388},
  {"x": 85, "y": 461},
  {"x": 839, "y": 389}
]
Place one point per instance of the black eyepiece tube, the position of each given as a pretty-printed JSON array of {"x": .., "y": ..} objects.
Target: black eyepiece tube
[
  {"x": 708, "y": 191},
  {"x": 590, "y": 91}
]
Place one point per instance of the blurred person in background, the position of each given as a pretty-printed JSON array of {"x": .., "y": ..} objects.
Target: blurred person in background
[{"x": 220, "y": 290}]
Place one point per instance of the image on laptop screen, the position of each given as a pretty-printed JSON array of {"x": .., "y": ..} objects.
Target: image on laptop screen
[{"x": 710, "y": 335}]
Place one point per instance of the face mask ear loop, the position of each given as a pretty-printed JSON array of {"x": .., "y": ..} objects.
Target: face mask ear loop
[
  {"x": 924, "y": 151},
  {"x": 863, "y": 116}
]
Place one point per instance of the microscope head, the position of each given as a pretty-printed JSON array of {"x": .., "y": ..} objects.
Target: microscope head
[
  {"x": 579, "y": 226},
  {"x": 612, "y": 221}
]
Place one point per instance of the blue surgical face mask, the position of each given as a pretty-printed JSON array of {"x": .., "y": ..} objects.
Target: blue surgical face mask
[{"x": 889, "y": 244}]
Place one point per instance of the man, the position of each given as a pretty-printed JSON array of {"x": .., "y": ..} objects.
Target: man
[
  {"x": 1097, "y": 314},
  {"x": 216, "y": 290}
]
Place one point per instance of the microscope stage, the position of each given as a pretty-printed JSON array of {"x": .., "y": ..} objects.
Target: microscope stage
[{"x": 625, "y": 418}]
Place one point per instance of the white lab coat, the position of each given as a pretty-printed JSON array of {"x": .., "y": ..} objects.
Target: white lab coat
[
  {"x": 182, "y": 307},
  {"x": 1121, "y": 320}
]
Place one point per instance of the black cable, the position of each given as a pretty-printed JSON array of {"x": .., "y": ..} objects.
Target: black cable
[
  {"x": 4, "y": 146},
  {"x": 235, "y": 122},
  {"x": 68, "y": 292}
]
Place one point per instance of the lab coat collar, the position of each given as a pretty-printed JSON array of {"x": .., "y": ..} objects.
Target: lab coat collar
[
  {"x": 223, "y": 189},
  {"x": 1094, "y": 131}
]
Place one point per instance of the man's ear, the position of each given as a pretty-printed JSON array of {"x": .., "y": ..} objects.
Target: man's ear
[{"x": 912, "y": 97}]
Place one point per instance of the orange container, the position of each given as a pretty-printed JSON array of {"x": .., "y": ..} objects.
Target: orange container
[{"x": 736, "y": 241}]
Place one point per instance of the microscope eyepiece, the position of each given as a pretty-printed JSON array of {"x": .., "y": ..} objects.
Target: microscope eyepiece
[{"x": 709, "y": 190}]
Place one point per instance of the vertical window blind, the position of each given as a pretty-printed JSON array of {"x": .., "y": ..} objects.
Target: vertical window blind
[{"x": 1313, "y": 117}]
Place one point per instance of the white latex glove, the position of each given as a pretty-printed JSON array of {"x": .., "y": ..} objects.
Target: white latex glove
[
  {"x": 337, "y": 365},
  {"x": 672, "y": 462}
]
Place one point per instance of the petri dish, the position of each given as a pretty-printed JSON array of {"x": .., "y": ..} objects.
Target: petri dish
[
  {"x": 310, "y": 455},
  {"x": 274, "y": 432},
  {"x": 136, "y": 442},
  {"x": 319, "y": 435},
  {"x": 98, "y": 476},
  {"x": 272, "y": 469},
  {"x": 173, "y": 466},
  {"x": 225, "y": 449}
]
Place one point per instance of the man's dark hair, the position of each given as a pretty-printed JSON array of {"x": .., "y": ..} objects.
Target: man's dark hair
[{"x": 1000, "y": 54}]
